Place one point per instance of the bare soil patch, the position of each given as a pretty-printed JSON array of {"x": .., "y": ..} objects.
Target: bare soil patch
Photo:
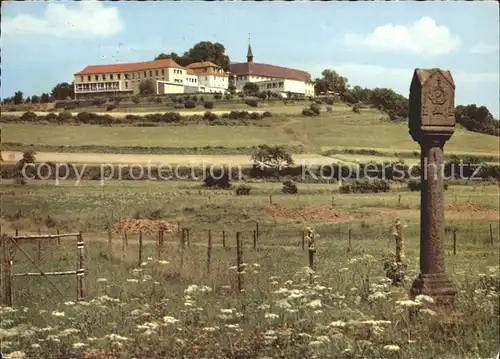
[
  {"x": 313, "y": 213},
  {"x": 145, "y": 226}
]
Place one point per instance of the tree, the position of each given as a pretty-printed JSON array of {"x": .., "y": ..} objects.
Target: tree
[
  {"x": 387, "y": 100},
  {"x": 332, "y": 81},
  {"x": 172, "y": 56},
  {"x": 45, "y": 98},
  {"x": 28, "y": 100},
  {"x": 251, "y": 88},
  {"x": 18, "y": 98},
  {"x": 35, "y": 99},
  {"x": 275, "y": 157},
  {"x": 478, "y": 119},
  {"x": 320, "y": 87},
  {"x": 28, "y": 157},
  {"x": 62, "y": 91},
  {"x": 147, "y": 87},
  {"x": 232, "y": 89}
]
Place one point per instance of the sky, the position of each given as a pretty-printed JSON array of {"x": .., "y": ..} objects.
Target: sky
[{"x": 373, "y": 44}]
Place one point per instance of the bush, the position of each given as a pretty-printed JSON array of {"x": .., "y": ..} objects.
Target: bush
[
  {"x": 136, "y": 100},
  {"x": 315, "y": 108},
  {"x": 329, "y": 101},
  {"x": 414, "y": 185},
  {"x": 158, "y": 100},
  {"x": 365, "y": 186},
  {"x": 218, "y": 96},
  {"x": 71, "y": 106},
  {"x": 255, "y": 116},
  {"x": 28, "y": 116},
  {"x": 329, "y": 109},
  {"x": 252, "y": 103},
  {"x": 267, "y": 114},
  {"x": 209, "y": 116},
  {"x": 318, "y": 101},
  {"x": 189, "y": 104},
  {"x": 194, "y": 98},
  {"x": 289, "y": 187},
  {"x": 110, "y": 107},
  {"x": 217, "y": 179},
  {"x": 98, "y": 101},
  {"x": 356, "y": 108},
  {"x": 208, "y": 105},
  {"x": 178, "y": 106},
  {"x": 239, "y": 115},
  {"x": 65, "y": 116},
  {"x": 243, "y": 190}
]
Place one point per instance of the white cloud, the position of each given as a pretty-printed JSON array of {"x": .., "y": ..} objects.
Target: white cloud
[
  {"x": 423, "y": 37},
  {"x": 81, "y": 19},
  {"x": 482, "y": 48}
]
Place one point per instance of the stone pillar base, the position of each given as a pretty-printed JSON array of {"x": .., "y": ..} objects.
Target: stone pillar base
[{"x": 437, "y": 286}]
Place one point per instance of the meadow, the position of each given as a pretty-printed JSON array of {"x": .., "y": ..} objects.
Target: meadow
[{"x": 171, "y": 307}]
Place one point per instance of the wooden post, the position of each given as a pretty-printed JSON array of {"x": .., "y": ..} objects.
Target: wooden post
[
  {"x": 239, "y": 261},
  {"x": 7, "y": 262},
  {"x": 39, "y": 256},
  {"x": 311, "y": 251},
  {"x": 183, "y": 238},
  {"x": 209, "y": 250},
  {"x": 454, "y": 241},
  {"x": 223, "y": 239},
  {"x": 270, "y": 199},
  {"x": 110, "y": 240},
  {"x": 303, "y": 240},
  {"x": 257, "y": 230},
  {"x": 125, "y": 237},
  {"x": 188, "y": 239},
  {"x": 58, "y": 238},
  {"x": 80, "y": 268},
  {"x": 140, "y": 247},
  {"x": 181, "y": 247},
  {"x": 349, "y": 248},
  {"x": 254, "y": 240},
  {"x": 333, "y": 200},
  {"x": 17, "y": 232},
  {"x": 399, "y": 200},
  {"x": 491, "y": 234},
  {"x": 339, "y": 229}
]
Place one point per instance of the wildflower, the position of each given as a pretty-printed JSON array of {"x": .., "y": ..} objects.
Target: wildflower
[
  {"x": 116, "y": 337},
  {"x": 194, "y": 288},
  {"x": 69, "y": 331},
  {"x": 143, "y": 264},
  {"x": 146, "y": 277},
  {"x": 264, "y": 306},
  {"x": 271, "y": 316},
  {"x": 233, "y": 268},
  {"x": 376, "y": 296},
  {"x": 343, "y": 270},
  {"x": 256, "y": 265},
  {"x": 274, "y": 283},
  {"x": 232, "y": 326},
  {"x": 314, "y": 304},
  {"x": 392, "y": 348},
  {"x": 132, "y": 280},
  {"x": 150, "y": 259},
  {"x": 101, "y": 280},
  {"x": 283, "y": 304},
  {"x": 15, "y": 355},
  {"x": 163, "y": 262},
  {"x": 79, "y": 345},
  {"x": 226, "y": 311},
  {"x": 319, "y": 311},
  {"x": 170, "y": 320},
  {"x": 281, "y": 291},
  {"x": 424, "y": 298},
  {"x": 136, "y": 270},
  {"x": 304, "y": 335},
  {"x": 209, "y": 329},
  {"x": 35, "y": 346},
  {"x": 337, "y": 324},
  {"x": 408, "y": 303},
  {"x": 292, "y": 310},
  {"x": 55, "y": 313},
  {"x": 69, "y": 303}
]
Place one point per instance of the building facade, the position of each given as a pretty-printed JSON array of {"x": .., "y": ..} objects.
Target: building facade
[
  {"x": 167, "y": 77},
  {"x": 282, "y": 80}
]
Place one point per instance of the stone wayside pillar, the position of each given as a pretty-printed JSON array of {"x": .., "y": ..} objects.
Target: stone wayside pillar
[{"x": 431, "y": 124}]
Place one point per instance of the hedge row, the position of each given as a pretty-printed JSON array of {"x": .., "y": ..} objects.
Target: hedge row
[
  {"x": 298, "y": 174},
  {"x": 93, "y": 118}
]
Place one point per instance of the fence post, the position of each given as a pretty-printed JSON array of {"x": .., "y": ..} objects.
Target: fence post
[
  {"x": 257, "y": 230},
  {"x": 125, "y": 237},
  {"x": 239, "y": 261},
  {"x": 270, "y": 199},
  {"x": 110, "y": 239},
  {"x": 17, "y": 232},
  {"x": 39, "y": 256},
  {"x": 188, "y": 239},
  {"x": 7, "y": 262},
  {"x": 223, "y": 239},
  {"x": 140, "y": 247},
  {"x": 349, "y": 248},
  {"x": 399, "y": 200},
  {"x": 181, "y": 247},
  {"x": 333, "y": 200},
  {"x": 303, "y": 240},
  {"x": 454, "y": 241},
  {"x": 80, "y": 269},
  {"x": 491, "y": 234},
  {"x": 311, "y": 250},
  {"x": 209, "y": 250},
  {"x": 254, "y": 240}
]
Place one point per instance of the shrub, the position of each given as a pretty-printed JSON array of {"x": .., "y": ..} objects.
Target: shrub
[
  {"x": 255, "y": 116},
  {"x": 208, "y": 105},
  {"x": 209, "y": 116},
  {"x": 289, "y": 187},
  {"x": 50, "y": 117},
  {"x": 228, "y": 97},
  {"x": 84, "y": 117},
  {"x": 252, "y": 103},
  {"x": 136, "y": 100},
  {"x": 329, "y": 109},
  {"x": 189, "y": 104},
  {"x": 243, "y": 190},
  {"x": 365, "y": 186},
  {"x": 239, "y": 115},
  {"x": 318, "y": 101},
  {"x": 315, "y": 108},
  {"x": 178, "y": 106},
  {"x": 308, "y": 112},
  {"x": 267, "y": 114},
  {"x": 28, "y": 116},
  {"x": 133, "y": 118},
  {"x": 217, "y": 179},
  {"x": 218, "y": 96},
  {"x": 65, "y": 116},
  {"x": 71, "y": 106},
  {"x": 110, "y": 107},
  {"x": 98, "y": 101},
  {"x": 414, "y": 185},
  {"x": 171, "y": 117},
  {"x": 158, "y": 100},
  {"x": 194, "y": 98},
  {"x": 329, "y": 101},
  {"x": 180, "y": 99},
  {"x": 356, "y": 108}
]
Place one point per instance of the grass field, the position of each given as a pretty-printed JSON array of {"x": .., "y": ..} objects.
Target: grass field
[
  {"x": 164, "y": 310},
  {"x": 337, "y": 130}
]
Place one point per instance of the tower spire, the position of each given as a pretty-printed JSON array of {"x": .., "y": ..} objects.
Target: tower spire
[{"x": 249, "y": 53}]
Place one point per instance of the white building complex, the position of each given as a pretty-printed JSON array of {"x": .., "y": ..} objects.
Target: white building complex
[
  {"x": 168, "y": 77},
  {"x": 272, "y": 78}
]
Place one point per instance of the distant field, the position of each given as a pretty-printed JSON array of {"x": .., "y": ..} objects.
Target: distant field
[{"x": 337, "y": 130}]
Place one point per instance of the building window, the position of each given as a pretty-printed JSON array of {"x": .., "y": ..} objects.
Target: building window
[
  {"x": 126, "y": 76},
  {"x": 163, "y": 71},
  {"x": 111, "y": 77},
  {"x": 126, "y": 84},
  {"x": 119, "y": 76},
  {"x": 88, "y": 78},
  {"x": 150, "y": 73},
  {"x": 206, "y": 80},
  {"x": 81, "y": 78},
  {"x": 145, "y": 74},
  {"x": 156, "y": 72}
]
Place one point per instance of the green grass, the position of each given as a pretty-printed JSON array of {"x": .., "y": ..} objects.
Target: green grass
[
  {"x": 337, "y": 130},
  {"x": 342, "y": 285}
]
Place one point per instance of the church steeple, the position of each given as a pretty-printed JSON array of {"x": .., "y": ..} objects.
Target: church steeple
[{"x": 249, "y": 53}]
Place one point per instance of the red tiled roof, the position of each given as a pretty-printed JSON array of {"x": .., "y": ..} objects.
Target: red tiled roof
[
  {"x": 256, "y": 69},
  {"x": 196, "y": 65},
  {"x": 191, "y": 72},
  {"x": 130, "y": 67}
]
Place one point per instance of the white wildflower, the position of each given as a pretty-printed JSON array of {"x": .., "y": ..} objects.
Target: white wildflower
[
  {"x": 55, "y": 313},
  {"x": 376, "y": 296},
  {"x": 271, "y": 316},
  {"x": 79, "y": 345},
  {"x": 316, "y": 303},
  {"x": 163, "y": 262},
  {"x": 264, "y": 307},
  {"x": 170, "y": 320},
  {"x": 101, "y": 280},
  {"x": 392, "y": 348},
  {"x": 35, "y": 346},
  {"x": 132, "y": 280},
  {"x": 428, "y": 312},
  {"x": 424, "y": 298}
]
